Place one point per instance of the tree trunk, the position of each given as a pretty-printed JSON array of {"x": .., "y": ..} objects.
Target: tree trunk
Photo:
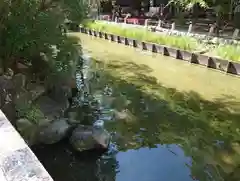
[
  {"x": 195, "y": 14},
  {"x": 218, "y": 24}
]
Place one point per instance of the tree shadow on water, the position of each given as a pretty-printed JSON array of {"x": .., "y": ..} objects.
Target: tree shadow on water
[{"x": 207, "y": 131}]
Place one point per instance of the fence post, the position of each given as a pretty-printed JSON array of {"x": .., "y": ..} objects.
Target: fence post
[
  {"x": 190, "y": 28},
  {"x": 211, "y": 30},
  {"x": 146, "y": 23},
  {"x": 159, "y": 24},
  {"x": 126, "y": 17},
  {"x": 235, "y": 34},
  {"x": 173, "y": 26}
]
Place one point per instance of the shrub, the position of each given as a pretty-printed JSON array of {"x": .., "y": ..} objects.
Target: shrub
[{"x": 25, "y": 38}]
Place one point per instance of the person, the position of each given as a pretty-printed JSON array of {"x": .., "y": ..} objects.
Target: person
[
  {"x": 116, "y": 12},
  {"x": 113, "y": 14}
]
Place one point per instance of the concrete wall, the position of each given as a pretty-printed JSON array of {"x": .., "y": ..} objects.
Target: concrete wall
[{"x": 17, "y": 161}]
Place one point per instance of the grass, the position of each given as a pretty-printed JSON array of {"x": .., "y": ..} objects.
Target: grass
[
  {"x": 181, "y": 42},
  {"x": 228, "y": 52}
]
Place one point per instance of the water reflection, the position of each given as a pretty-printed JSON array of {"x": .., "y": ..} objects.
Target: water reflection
[
  {"x": 161, "y": 163},
  {"x": 163, "y": 135},
  {"x": 155, "y": 114},
  {"x": 158, "y": 132},
  {"x": 166, "y": 162}
]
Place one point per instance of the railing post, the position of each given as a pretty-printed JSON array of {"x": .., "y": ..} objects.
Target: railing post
[
  {"x": 190, "y": 28},
  {"x": 235, "y": 34},
  {"x": 211, "y": 30},
  {"x": 173, "y": 26},
  {"x": 126, "y": 17},
  {"x": 146, "y": 23},
  {"x": 159, "y": 24}
]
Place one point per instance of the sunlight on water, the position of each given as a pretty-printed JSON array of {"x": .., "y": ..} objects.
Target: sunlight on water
[{"x": 169, "y": 120}]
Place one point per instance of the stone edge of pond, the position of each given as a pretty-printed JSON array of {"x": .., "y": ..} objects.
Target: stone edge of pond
[
  {"x": 17, "y": 161},
  {"x": 223, "y": 65}
]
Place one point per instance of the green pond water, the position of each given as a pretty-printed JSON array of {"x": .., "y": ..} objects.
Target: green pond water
[{"x": 175, "y": 121}]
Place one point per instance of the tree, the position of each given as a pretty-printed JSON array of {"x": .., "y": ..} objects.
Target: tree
[
  {"x": 220, "y": 7},
  {"x": 27, "y": 37}
]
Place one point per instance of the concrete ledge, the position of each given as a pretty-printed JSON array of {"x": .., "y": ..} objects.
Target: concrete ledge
[{"x": 17, "y": 161}]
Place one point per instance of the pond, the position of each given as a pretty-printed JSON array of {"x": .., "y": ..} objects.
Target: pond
[{"x": 173, "y": 121}]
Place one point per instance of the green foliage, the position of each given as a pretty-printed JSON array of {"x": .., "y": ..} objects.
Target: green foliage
[
  {"x": 181, "y": 42},
  {"x": 219, "y": 6},
  {"x": 229, "y": 52},
  {"x": 40, "y": 32},
  {"x": 188, "y": 4},
  {"x": 30, "y": 112}
]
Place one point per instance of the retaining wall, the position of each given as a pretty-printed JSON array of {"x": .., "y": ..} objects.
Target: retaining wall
[
  {"x": 17, "y": 161},
  {"x": 183, "y": 55}
]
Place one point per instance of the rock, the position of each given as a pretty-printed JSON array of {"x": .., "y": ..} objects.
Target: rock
[
  {"x": 27, "y": 96},
  {"x": 23, "y": 98},
  {"x": 7, "y": 96},
  {"x": 44, "y": 122},
  {"x": 3, "y": 95},
  {"x": 73, "y": 118},
  {"x": 98, "y": 123},
  {"x": 73, "y": 122},
  {"x": 72, "y": 83},
  {"x": 124, "y": 115},
  {"x": 28, "y": 130},
  {"x": 72, "y": 115},
  {"x": 7, "y": 85},
  {"x": 19, "y": 81},
  {"x": 21, "y": 67},
  {"x": 9, "y": 73},
  {"x": 1, "y": 71},
  {"x": 58, "y": 93},
  {"x": 10, "y": 112},
  {"x": 89, "y": 137},
  {"x": 107, "y": 114},
  {"x": 36, "y": 90},
  {"x": 50, "y": 108},
  {"x": 55, "y": 132}
]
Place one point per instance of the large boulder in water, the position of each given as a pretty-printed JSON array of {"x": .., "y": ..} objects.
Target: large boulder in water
[
  {"x": 30, "y": 129},
  {"x": 51, "y": 108},
  {"x": 89, "y": 137},
  {"x": 54, "y": 132}
]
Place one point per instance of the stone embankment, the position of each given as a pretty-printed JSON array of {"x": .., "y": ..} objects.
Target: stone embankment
[
  {"x": 17, "y": 161},
  {"x": 47, "y": 115}
]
